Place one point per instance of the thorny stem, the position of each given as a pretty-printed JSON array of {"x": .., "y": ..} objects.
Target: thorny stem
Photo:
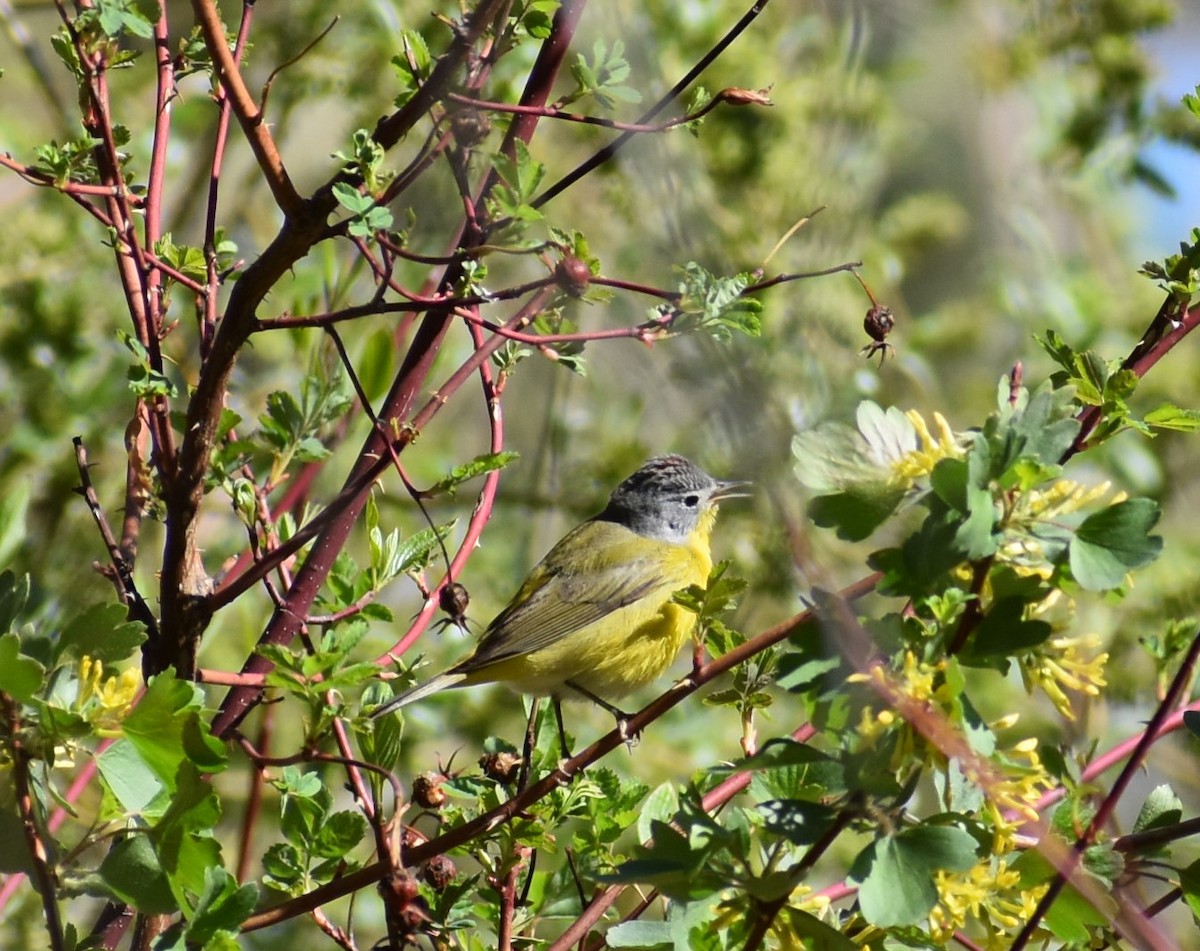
[
  {"x": 122, "y": 568},
  {"x": 248, "y": 114},
  {"x": 1164, "y": 332},
  {"x": 508, "y": 903},
  {"x": 254, "y": 797}
]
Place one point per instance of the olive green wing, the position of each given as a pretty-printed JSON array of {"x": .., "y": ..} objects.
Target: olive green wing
[{"x": 574, "y": 588}]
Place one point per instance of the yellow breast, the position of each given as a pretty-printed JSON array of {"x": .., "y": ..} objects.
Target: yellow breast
[{"x": 633, "y": 644}]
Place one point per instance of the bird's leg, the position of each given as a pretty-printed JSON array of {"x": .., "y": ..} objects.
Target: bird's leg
[
  {"x": 527, "y": 753},
  {"x": 620, "y": 715}
]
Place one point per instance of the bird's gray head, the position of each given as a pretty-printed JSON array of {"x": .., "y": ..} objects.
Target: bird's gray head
[{"x": 665, "y": 499}]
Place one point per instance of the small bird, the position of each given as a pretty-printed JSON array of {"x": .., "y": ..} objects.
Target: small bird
[{"x": 594, "y": 619}]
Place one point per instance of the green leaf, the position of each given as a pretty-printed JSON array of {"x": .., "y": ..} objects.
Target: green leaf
[
  {"x": 821, "y": 937},
  {"x": 799, "y": 821},
  {"x": 924, "y": 558},
  {"x": 896, "y": 872},
  {"x": 14, "y": 593},
  {"x": 125, "y": 16},
  {"x": 352, "y": 199},
  {"x": 155, "y": 726},
  {"x": 787, "y": 769},
  {"x": 14, "y": 847},
  {"x": 20, "y": 676},
  {"x": 808, "y": 662},
  {"x": 715, "y": 304},
  {"x": 1162, "y": 808},
  {"x": 1112, "y": 542},
  {"x": 339, "y": 833},
  {"x": 1170, "y": 416},
  {"x": 102, "y": 632},
  {"x": 381, "y": 744},
  {"x": 1070, "y": 916},
  {"x": 138, "y": 788},
  {"x": 132, "y": 873},
  {"x": 412, "y": 66},
  {"x": 640, "y": 934},
  {"x": 856, "y": 513},
  {"x": 222, "y": 906},
  {"x": 14, "y": 507},
  {"x": 659, "y": 806},
  {"x": 674, "y": 863},
  {"x": 283, "y": 868},
  {"x": 415, "y": 551},
  {"x": 1189, "y": 884},
  {"x": 1005, "y": 631},
  {"x": 480, "y": 465},
  {"x": 203, "y": 749},
  {"x": 376, "y": 362},
  {"x": 684, "y": 919},
  {"x": 183, "y": 836},
  {"x": 1047, "y": 427}
]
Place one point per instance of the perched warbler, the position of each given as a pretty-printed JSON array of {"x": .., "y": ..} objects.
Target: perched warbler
[{"x": 594, "y": 618}]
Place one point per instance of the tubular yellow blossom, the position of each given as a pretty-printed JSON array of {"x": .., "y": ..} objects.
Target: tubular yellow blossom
[
  {"x": 872, "y": 725},
  {"x": 802, "y": 897},
  {"x": 988, "y": 894},
  {"x": 1058, "y": 666},
  {"x": 930, "y": 451},
  {"x": 1062, "y": 496}
]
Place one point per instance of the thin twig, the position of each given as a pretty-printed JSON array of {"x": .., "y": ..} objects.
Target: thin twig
[{"x": 122, "y": 571}]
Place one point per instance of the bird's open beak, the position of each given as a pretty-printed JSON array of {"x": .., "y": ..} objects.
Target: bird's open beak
[{"x": 730, "y": 490}]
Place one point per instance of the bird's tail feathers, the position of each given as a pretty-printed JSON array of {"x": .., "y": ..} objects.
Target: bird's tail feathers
[{"x": 420, "y": 692}]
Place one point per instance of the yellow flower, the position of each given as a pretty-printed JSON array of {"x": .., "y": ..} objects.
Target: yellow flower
[
  {"x": 915, "y": 679},
  {"x": 1025, "y": 782},
  {"x": 872, "y": 725},
  {"x": 1058, "y": 666},
  {"x": 1063, "y": 496},
  {"x": 988, "y": 895},
  {"x": 104, "y": 702},
  {"x": 930, "y": 451}
]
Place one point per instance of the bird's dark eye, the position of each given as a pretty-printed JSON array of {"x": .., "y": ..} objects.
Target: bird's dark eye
[{"x": 691, "y": 501}]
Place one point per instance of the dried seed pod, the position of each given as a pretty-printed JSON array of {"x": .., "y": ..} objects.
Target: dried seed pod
[
  {"x": 878, "y": 323},
  {"x": 502, "y": 767},
  {"x": 470, "y": 127},
  {"x": 572, "y": 275},
  {"x": 427, "y": 790},
  {"x": 454, "y": 599},
  {"x": 439, "y": 872}
]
